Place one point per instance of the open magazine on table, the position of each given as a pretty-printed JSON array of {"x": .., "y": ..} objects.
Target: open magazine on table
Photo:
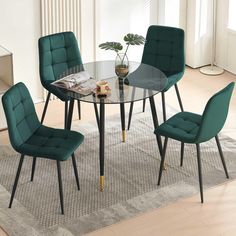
[{"x": 80, "y": 82}]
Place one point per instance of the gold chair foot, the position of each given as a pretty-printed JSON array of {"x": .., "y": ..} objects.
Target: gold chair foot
[
  {"x": 101, "y": 183},
  {"x": 123, "y": 135}
]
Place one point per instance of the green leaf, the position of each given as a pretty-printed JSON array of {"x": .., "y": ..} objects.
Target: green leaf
[
  {"x": 134, "y": 39},
  {"x": 115, "y": 46}
]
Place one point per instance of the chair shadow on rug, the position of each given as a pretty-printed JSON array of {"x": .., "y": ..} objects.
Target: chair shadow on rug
[
  {"x": 192, "y": 128},
  {"x": 29, "y": 137}
]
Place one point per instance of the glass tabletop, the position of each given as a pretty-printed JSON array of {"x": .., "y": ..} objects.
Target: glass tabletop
[{"x": 143, "y": 81}]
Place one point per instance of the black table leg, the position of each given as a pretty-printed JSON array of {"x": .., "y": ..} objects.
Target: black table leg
[
  {"x": 102, "y": 143},
  {"x": 122, "y": 116},
  {"x": 155, "y": 122},
  {"x": 122, "y": 108},
  {"x": 131, "y": 107},
  {"x": 144, "y": 100},
  {"x": 70, "y": 114},
  {"x": 96, "y": 113}
]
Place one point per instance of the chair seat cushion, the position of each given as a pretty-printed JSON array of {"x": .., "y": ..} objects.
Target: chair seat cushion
[
  {"x": 50, "y": 143},
  {"x": 183, "y": 126}
]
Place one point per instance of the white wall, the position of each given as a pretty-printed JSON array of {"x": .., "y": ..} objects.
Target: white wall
[
  {"x": 88, "y": 47},
  {"x": 225, "y": 39},
  {"x": 77, "y": 16},
  {"x": 20, "y": 30},
  {"x": 113, "y": 22}
]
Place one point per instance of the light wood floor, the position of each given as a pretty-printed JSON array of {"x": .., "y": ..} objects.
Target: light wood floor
[{"x": 187, "y": 216}]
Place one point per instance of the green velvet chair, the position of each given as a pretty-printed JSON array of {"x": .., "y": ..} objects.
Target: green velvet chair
[
  {"x": 57, "y": 53},
  {"x": 192, "y": 128},
  {"x": 164, "y": 49},
  {"x": 29, "y": 137}
]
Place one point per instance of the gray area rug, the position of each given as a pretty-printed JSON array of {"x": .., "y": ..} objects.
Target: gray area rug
[{"x": 131, "y": 171}]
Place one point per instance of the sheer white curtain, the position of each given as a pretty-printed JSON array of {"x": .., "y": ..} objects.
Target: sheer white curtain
[
  {"x": 232, "y": 15},
  {"x": 226, "y": 35},
  {"x": 172, "y": 13},
  {"x": 115, "y": 19},
  {"x": 169, "y": 12}
]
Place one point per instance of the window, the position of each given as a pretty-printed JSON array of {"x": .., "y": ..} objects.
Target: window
[{"x": 232, "y": 15}]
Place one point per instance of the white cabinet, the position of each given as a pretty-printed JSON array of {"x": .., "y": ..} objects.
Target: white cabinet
[{"x": 6, "y": 80}]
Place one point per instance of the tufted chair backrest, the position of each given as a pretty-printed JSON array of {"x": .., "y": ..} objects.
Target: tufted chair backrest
[
  {"x": 215, "y": 114},
  {"x": 21, "y": 117},
  {"x": 57, "y": 53},
  {"x": 164, "y": 49}
]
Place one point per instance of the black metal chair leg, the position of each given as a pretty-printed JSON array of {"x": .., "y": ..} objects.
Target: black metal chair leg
[
  {"x": 70, "y": 114},
  {"x": 75, "y": 170},
  {"x": 182, "y": 154},
  {"x": 33, "y": 169},
  {"x": 45, "y": 107},
  {"x": 79, "y": 109},
  {"x": 199, "y": 170},
  {"x": 144, "y": 104},
  {"x": 16, "y": 180},
  {"x": 162, "y": 160},
  {"x": 66, "y": 114},
  {"x": 130, "y": 113},
  {"x": 221, "y": 156},
  {"x": 155, "y": 123},
  {"x": 179, "y": 98},
  {"x": 60, "y": 186},
  {"x": 163, "y": 105}
]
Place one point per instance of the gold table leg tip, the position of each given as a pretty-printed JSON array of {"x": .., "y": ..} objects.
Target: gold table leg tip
[
  {"x": 101, "y": 183},
  {"x": 123, "y": 135},
  {"x": 165, "y": 166}
]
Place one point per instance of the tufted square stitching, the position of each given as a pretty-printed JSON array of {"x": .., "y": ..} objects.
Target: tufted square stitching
[
  {"x": 183, "y": 126},
  {"x": 161, "y": 35},
  {"x": 57, "y": 53},
  {"x": 21, "y": 116},
  {"x": 57, "y": 144}
]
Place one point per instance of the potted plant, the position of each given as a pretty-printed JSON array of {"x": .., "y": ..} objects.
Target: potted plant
[{"x": 122, "y": 62}]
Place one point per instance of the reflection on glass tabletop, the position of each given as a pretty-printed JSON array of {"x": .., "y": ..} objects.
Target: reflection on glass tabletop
[{"x": 143, "y": 81}]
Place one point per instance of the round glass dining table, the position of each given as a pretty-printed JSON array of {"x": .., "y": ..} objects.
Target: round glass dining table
[{"x": 142, "y": 82}]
